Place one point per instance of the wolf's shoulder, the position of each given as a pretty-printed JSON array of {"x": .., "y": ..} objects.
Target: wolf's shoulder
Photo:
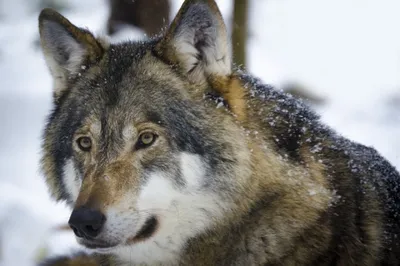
[
  {"x": 290, "y": 123},
  {"x": 372, "y": 167},
  {"x": 290, "y": 116},
  {"x": 283, "y": 103}
]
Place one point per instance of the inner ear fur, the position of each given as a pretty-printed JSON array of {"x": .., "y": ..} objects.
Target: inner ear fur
[
  {"x": 197, "y": 42},
  {"x": 67, "y": 49}
]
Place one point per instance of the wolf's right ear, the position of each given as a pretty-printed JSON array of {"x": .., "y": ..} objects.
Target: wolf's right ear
[{"x": 67, "y": 48}]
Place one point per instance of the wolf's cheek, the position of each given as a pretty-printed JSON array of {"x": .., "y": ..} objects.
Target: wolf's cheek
[
  {"x": 170, "y": 198},
  {"x": 164, "y": 190},
  {"x": 182, "y": 208},
  {"x": 71, "y": 180}
]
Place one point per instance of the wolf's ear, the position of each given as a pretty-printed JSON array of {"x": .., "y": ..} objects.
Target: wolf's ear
[
  {"x": 67, "y": 48},
  {"x": 197, "y": 41}
]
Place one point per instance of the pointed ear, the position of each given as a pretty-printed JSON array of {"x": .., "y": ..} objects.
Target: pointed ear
[
  {"x": 197, "y": 41},
  {"x": 67, "y": 48}
]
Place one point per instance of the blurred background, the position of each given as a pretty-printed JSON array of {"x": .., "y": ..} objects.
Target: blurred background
[{"x": 341, "y": 56}]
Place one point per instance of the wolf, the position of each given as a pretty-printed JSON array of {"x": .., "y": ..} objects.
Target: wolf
[{"x": 170, "y": 155}]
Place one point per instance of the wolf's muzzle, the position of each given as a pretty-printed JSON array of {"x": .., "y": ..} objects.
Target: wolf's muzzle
[{"x": 86, "y": 222}]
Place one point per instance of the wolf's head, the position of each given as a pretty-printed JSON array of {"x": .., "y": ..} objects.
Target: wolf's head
[{"x": 132, "y": 145}]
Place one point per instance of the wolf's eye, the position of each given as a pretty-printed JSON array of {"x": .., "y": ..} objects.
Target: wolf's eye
[
  {"x": 145, "y": 140},
  {"x": 84, "y": 143}
]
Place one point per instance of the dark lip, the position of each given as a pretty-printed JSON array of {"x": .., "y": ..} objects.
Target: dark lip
[
  {"x": 148, "y": 229},
  {"x": 97, "y": 245}
]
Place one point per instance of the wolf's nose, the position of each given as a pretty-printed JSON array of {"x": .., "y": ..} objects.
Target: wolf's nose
[{"x": 86, "y": 222}]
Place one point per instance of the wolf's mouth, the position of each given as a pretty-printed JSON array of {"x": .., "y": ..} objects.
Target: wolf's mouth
[
  {"x": 148, "y": 229},
  {"x": 97, "y": 245}
]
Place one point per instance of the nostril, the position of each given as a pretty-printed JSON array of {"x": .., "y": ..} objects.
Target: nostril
[
  {"x": 93, "y": 228},
  {"x": 86, "y": 222},
  {"x": 76, "y": 231}
]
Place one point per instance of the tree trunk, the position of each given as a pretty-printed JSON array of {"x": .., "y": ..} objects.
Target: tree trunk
[
  {"x": 239, "y": 32},
  {"x": 149, "y": 15}
]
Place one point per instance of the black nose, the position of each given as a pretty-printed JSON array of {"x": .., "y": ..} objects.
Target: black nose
[{"x": 86, "y": 222}]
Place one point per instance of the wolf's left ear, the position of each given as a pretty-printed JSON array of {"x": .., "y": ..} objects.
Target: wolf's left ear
[
  {"x": 197, "y": 41},
  {"x": 67, "y": 48}
]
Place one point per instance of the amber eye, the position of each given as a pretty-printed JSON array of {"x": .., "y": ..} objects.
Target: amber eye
[
  {"x": 145, "y": 140},
  {"x": 84, "y": 143}
]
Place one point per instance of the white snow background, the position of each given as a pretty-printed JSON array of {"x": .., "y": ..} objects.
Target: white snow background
[{"x": 347, "y": 52}]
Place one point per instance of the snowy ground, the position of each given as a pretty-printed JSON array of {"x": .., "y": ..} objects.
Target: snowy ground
[{"x": 345, "y": 51}]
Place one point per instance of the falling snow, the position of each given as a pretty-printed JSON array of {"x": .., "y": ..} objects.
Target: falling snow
[{"x": 358, "y": 106}]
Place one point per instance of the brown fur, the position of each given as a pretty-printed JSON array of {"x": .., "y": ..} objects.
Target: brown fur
[{"x": 232, "y": 92}]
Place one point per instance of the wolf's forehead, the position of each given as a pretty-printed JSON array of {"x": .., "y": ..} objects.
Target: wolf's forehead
[
  {"x": 111, "y": 135},
  {"x": 121, "y": 62},
  {"x": 97, "y": 127},
  {"x": 132, "y": 76},
  {"x": 118, "y": 122}
]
